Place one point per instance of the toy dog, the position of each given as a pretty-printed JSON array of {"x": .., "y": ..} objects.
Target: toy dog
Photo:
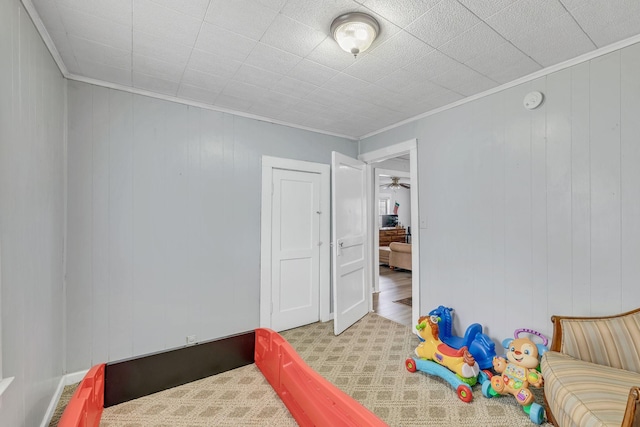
[{"x": 519, "y": 371}]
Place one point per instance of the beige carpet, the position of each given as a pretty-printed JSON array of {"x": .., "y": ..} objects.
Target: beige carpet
[
  {"x": 241, "y": 397},
  {"x": 366, "y": 361},
  {"x": 65, "y": 397}
]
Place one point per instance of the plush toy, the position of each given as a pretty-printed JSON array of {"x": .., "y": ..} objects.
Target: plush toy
[{"x": 518, "y": 371}]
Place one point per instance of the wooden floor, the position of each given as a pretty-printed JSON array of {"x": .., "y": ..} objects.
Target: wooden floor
[{"x": 394, "y": 285}]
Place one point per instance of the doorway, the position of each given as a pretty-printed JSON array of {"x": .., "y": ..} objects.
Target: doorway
[
  {"x": 392, "y": 296},
  {"x": 393, "y": 301},
  {"x": 405, "y": 150}
]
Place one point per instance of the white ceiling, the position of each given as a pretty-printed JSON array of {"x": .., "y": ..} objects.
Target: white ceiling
[
  {"x": 275, "y": 59},
  {"x": 400, "y": 163}
]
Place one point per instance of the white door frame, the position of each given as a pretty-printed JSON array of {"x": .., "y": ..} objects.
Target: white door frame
[
  {"x": 407, "y": 147},
  {"x": 268, "y": 165}
]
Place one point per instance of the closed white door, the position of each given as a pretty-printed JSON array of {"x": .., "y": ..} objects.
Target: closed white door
[
  {"x": 351, "y": 289},
  {"x": 295, "y": 249}
]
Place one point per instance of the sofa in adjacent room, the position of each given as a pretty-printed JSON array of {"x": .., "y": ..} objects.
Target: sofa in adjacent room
[
  {"x": 400, "y": 255},
  {"x": 592, "y": 371},
  {"x": 384, "y": 254}
]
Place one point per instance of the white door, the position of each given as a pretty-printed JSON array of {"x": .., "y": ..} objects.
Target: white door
[
  {"x": 295, "y": 249},
  {"x": 351, "y": 293}
]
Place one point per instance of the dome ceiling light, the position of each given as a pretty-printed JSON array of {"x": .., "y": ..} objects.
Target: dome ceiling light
[{"x": 355, "y": 32}]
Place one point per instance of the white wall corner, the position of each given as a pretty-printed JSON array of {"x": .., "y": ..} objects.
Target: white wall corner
[
  {"x": 44, "y": 34},
  {"x": 65, "y": 380},
  {"x": 53, "y": 404},
  {"x": 4, "y": 384}
]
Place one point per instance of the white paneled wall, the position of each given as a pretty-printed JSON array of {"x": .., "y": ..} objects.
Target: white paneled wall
[
  {"x": 164, "y": 217},
  {"x": 533, "y": 213},
  {"x": 32, "y": 100}
]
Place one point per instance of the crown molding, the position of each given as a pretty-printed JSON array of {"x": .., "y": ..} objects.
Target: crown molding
[
  {"x": 44, "y": 34},
  {"x": 202, "y": 105},
  {"x": 48, "y": 41},
  {"x": 535, "y": 75}
]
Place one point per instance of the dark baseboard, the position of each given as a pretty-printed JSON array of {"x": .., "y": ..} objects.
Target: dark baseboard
[{"x": 133, "y": 378}]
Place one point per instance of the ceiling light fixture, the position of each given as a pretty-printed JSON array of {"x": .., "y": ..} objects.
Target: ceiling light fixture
[{"x": 355, "y": 32}]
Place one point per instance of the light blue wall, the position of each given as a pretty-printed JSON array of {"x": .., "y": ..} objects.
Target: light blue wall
[
  {"x": 532, "y": 213},
  {"x": 32, "y": 92},
  {"x": 164, "y": 220}
]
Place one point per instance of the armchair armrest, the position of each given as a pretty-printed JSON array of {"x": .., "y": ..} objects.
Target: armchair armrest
[{"x": 632, "y": 412}]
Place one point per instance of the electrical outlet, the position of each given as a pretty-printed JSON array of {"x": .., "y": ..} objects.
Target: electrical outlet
[{"x": 191, "y": 339}]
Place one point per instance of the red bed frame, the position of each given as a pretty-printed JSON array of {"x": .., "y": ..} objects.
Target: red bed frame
[{"x": 311, "y": 399}]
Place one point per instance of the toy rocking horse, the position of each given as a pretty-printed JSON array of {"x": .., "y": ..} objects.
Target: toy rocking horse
[{"x": 456, "y": 366}]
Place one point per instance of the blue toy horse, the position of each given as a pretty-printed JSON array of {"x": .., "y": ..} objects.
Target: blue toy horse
[{"x": 479, "y": 344}]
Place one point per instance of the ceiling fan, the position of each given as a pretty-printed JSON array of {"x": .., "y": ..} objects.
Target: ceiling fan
[{"x": 395, "y": 184}]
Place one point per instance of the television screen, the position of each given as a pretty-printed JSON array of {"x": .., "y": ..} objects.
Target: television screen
[{"x": 388, "y": 220}]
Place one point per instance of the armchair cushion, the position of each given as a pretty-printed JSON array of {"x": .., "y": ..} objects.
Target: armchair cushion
[
  {"x": 591, "y": 373},
  {"x": 584, "y": 393}
]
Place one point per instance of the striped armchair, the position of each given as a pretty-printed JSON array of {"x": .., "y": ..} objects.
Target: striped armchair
[{"x": 592, "y": 373}]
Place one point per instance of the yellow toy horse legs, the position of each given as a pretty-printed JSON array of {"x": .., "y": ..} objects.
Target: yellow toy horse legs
[
  {"x": 459, "y": 361},
  {"x": 465, "y": 366},
  {"x": 456, "y": 366}
]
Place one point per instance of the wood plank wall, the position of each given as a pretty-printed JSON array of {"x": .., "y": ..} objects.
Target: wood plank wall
[
  {"x": 533, "y": 213},
  {"x": 164, "y": 221},
  {"x": 32, "y": 117}
]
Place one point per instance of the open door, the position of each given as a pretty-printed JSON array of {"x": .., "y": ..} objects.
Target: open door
[{"x": 351, "y": 290}]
